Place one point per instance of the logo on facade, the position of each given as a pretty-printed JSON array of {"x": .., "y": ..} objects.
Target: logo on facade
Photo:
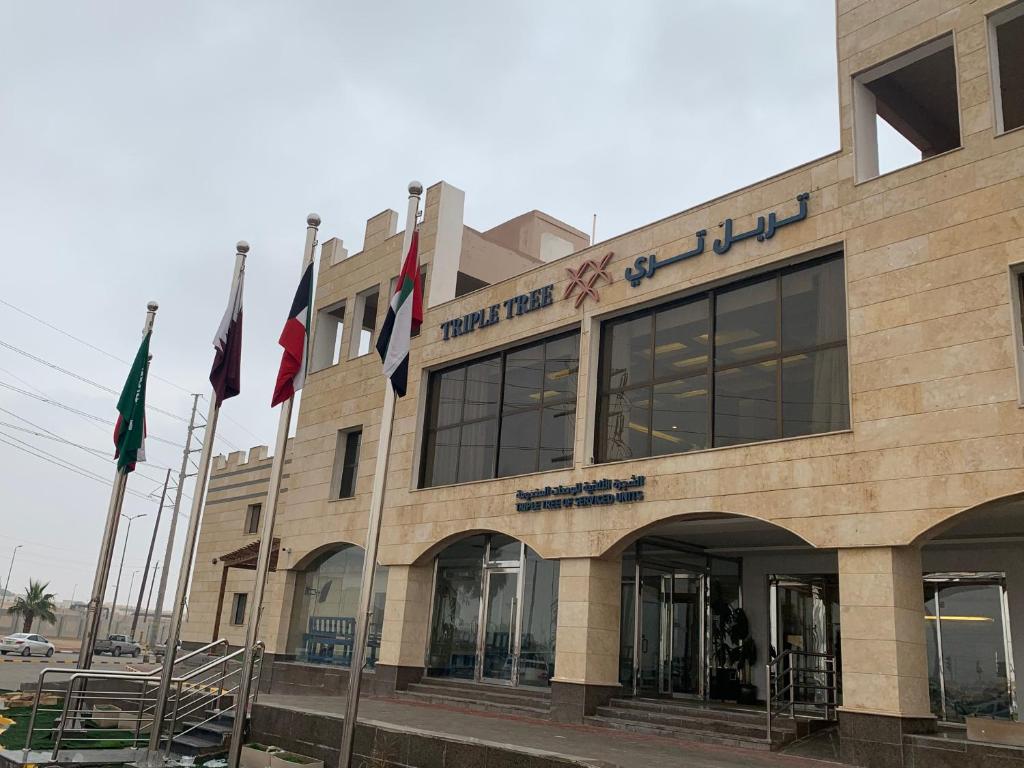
[{"x": 585, "y": 278}]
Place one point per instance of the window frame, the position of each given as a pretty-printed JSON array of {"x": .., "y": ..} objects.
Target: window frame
[
  {"x": 250, "y": 529},
  {"x": 321, "y": 356},
  {"x": 712, "y": 368},
  {"x": 358, "y": 315},
  {"x": 239, "y": 603},
  {"x": 994, "y": 20},
  {"x": 429, "y": 422},
  {"x": 342, "y": 462},
  {"x": 1016, "y": 277}
]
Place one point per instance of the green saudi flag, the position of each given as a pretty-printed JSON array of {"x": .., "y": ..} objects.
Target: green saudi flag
[{"x": 130, "y": 430}]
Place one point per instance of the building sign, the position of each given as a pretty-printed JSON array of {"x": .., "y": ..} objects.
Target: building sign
[
  {"x": 592, "y": 493},
  {"x": 646, "y": 266},
  {"x": 519, "y": 305},
  {"x": 585, "y": 279}
]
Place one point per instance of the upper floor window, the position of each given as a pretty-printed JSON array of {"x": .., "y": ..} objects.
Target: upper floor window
[
  {"x": 906, "y": 110},
  {"x": 1006, "y": 43},
  {"x": 348, "y": 461},
  {"x": 252, "y": 518},
  {"x": 366, "y": 315},
  {"x": 330, "y": 326},
  {"x": 505, "y": 414},
  {"x": 238, "y": 604},
  {"x": 760, "y": 360}
]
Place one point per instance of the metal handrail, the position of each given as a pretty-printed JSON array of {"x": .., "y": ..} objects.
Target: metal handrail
[{"x": 782, "y": 684}]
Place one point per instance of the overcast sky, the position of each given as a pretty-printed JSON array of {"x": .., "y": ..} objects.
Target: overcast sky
[{"x": 140, "y": 141}]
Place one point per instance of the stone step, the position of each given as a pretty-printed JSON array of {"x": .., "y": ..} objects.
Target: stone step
[
  {"x": 486, "y": 689},
  {"x": 688, "y": 734},
  {"x": 197, "y": 744},
  {"x": 699, "y": 709},
  {"x": 681, "y": 721},
  {"x": 510, "y": 707}
]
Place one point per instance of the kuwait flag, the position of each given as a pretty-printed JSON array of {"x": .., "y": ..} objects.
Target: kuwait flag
[
  {"x": 404, "y": 316},
  {"x": 225, "y": 376},
  {"x": 130, "y": 430},
  {"x": 293, "y": 339}
]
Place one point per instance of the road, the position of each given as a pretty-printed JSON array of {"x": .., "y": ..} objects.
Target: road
[{"x": 15, "y": 670}]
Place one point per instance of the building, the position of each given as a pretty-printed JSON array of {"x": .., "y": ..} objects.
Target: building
[{"x": 802, "y": 399}]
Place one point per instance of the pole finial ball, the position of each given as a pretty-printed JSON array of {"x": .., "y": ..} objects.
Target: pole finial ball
[
  {"x": 242, "y": 247},
  {"x": 415, "y": 188},
  {"x": 152, "y": 306},
  {"x": 313, "y": 220}
]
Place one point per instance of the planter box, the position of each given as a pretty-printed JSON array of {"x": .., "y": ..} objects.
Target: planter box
[
  {"x": 105, "y": 715},
  {"x": 1009, "y": 732},
  {"x": 292, "y": 760},
  {"x": 253, "y": 757},
  {"x": 127, "y": 721}
]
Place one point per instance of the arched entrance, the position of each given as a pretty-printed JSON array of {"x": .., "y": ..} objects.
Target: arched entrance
[
  {"x": 493, "y": 613},
  {"x": 324, "y": 605}
]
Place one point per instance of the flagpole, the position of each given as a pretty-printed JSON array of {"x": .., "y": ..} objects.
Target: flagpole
[
  {"x": 355, "y": 672},
  {"x": 99, "y": 585},
  {"x": 267, "y": 537},
  {"x": 189, "y": 551},
  {"x": 149, "y": 557}
]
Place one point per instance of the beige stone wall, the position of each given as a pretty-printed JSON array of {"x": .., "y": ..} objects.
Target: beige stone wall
[{"x": 935, "y": 428}]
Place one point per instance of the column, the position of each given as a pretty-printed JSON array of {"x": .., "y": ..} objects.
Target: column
[
  {"x": 587, "y": 643},
  {"x": 884, "y": 656},
  {"x": 406, "y": 627}
]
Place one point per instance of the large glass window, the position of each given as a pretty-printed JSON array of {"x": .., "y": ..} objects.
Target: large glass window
[
  {"x": 507, "y": 414},
  {"x": 756, "y": 361},
  {"x": 324, "y": 607}
]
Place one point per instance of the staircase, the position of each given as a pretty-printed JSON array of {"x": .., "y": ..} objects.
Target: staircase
[
  {"x": 209, "y": 736},
  {"x": 698, "y": 721},
  {"x": 524, "y": 701}
]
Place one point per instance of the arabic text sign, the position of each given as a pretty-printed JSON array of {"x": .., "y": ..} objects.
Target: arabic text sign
[
  {"x": 592, "y": 493},
  {"x": 646, "y": 266}
]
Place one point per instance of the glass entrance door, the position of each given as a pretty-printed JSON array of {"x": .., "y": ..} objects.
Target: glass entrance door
[
  {"x": 671, "y": 633},
  {"x": 499, "y": 638},
  {"x": 805, "y": 621}
]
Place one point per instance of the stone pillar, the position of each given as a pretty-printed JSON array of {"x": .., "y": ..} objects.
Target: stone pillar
[
  {"x": 587, "y": 644},
  {"x": 884, "y": 656},
  {"x": 406, "y": 627}
]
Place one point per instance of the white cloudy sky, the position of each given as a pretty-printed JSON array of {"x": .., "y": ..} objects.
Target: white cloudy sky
[{"x": 140, "y": 141}]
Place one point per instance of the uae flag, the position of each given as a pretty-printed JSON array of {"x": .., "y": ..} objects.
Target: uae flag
[
  {"x": 405, "y": 314},
  {"x": 225, "y": 376},
  {"x": 293, "y": 338},
  {"x": 130, "y": 430}
]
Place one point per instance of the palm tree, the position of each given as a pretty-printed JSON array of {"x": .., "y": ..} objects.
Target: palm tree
[{"x": 35, "y": 602}]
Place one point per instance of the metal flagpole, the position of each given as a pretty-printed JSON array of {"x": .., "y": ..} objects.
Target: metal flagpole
[
  {"x": 154, "y": 627},
  {"x": 149, "y": 557},
  {"x": 267, "y": 534},
  {"x": 117, "y": 585},
  {"x": 94, "y": 612},
  {"x": 387, "y": 418},
  {"x": 188, "y": 553}
]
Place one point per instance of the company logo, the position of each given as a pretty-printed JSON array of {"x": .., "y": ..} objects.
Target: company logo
[{"x": 585, "y": 279}]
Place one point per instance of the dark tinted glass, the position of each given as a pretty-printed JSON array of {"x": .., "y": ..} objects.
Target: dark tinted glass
[
  {"x": 680, "y": 416},
  {"x": 443, "y": 456},
  {"x": 746, "y": 399},
  {"x": 561, "y": 367},
  {"x": 524, "y": 377},
  {"x": 627, "y": 417},
  {"x": 450, "y": 390},
  {"x": 813, "y": 306},
  {"x": 815, "y": 392},
  {"x": 482, "y": 381},
  {"x": 520, "y": 433},
  {"x": 558, "y": 427},
  {"x": 628, "y": 357},
  {"x": 476, "y": 451},
  {"x": 745, "y": 322},
  {"x": 350, "y": 464},
  {"x": 681, "y": 340}
]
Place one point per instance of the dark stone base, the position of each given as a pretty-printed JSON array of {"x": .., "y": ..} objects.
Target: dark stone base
[
  {"x": 876, "y": 741},
  {"x": 318, "y": 736},
  {"x": 571, "y": 702},
  {"x": 956, "y": 752},
  {"x": 389, "y": 678},
  {"x": 281, "y": 675}
]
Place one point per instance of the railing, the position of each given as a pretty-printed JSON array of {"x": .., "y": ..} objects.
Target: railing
[
  {"x": 119, "y": 705},
  {"x": 803, "y": 684}
]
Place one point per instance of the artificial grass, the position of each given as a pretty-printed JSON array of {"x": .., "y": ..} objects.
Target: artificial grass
[{"x": 14, "y": 736}]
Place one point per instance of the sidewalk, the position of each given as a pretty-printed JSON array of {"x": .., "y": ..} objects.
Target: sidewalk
[{"x": 584, "y": 744}]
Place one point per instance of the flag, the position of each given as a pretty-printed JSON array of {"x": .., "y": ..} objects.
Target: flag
[
  {"x": 225, "y": 376},
  {"x": 293, "y": 338},
  {"x": 130, "y": 430},
  {"x": 405, "y": 314}
]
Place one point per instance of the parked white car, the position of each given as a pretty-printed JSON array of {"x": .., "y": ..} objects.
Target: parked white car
[{"x": 24, "y": 644}]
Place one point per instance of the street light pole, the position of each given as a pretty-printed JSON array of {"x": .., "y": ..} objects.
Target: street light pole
[
  {"x": 117, "y": 586},
  {"x": 7, "y": 584}
]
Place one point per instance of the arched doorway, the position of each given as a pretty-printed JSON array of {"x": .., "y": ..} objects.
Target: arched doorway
[
  {"x": 494, "y": 612},
  {"x": 324, "y": 606}
]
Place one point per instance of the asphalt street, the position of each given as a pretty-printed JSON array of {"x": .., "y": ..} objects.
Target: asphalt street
[{"x": 15, "y": 670}]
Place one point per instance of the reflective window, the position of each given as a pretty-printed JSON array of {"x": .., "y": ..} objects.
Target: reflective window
[
  {"x": 774, "y": 365},
  {"x": 324, "y": 607},
  {"x": 507, "y": 414}
]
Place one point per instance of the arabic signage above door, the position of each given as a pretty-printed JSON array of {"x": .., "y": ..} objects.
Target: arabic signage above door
[
  {"x": 646, "y": 266},
  {"x": 592, "y": 493}
]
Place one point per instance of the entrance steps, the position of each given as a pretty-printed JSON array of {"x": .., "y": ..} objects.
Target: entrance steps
[
  {"x": 525, "y": 701},
  {"x": 698, "y": 721}
]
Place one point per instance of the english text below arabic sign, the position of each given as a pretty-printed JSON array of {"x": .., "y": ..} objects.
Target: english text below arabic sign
[
  {"x": 646, "y": 266},
  {"x": 509, "y": 309},
  {"x": 590, "y": 493}
]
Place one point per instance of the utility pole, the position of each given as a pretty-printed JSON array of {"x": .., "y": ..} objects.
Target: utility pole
[
  {"x": 149, "y": 557},
  {"x": 158, "y": 610},
  {"x": 117, "y": 586},
  {"x": 7, "y": 584}
]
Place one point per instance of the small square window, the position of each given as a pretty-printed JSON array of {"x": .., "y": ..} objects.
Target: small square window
[
  {"x": 238, "y": 608},
  {"x": 347, "y": 461},
  {"x": 1006, "y": 43},
  {"x": 906, "y": 110},
  {"x": 252, "y": 518}
]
